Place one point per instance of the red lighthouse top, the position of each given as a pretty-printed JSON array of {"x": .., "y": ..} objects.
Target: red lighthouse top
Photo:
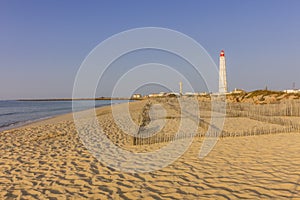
[{"x": 222, "y": 54}]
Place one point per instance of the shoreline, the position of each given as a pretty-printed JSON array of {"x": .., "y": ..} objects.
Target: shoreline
[{"x": 50, "y": 119}]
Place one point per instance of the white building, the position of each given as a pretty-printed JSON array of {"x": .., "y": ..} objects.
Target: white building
[
  {"x": 292, "y": 91},
  {"x": 136, "y": 96},
  {"x": 238, "y": 91}
]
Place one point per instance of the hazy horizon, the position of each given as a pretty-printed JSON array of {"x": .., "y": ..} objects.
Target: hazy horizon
[{"x": 44, "y": 43}]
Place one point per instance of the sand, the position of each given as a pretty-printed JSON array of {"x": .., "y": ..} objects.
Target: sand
[{"x": 47, "y": 160}]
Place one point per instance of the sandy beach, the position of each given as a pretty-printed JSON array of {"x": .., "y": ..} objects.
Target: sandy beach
[
  {"x": 149, "y": 100},
  {"x": 47, "y": 160}
]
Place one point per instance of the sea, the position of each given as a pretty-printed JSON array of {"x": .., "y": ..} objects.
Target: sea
[{"x": 18, "y": 113}]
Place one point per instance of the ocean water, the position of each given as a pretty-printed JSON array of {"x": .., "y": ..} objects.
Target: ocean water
[{"x": 17, "y": 113}]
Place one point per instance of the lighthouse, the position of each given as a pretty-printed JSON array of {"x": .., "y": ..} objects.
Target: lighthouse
[{"x": 222, "y": 74}]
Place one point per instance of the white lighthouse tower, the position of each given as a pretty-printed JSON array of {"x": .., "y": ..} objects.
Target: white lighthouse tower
[{"x": 222, "y": 74}]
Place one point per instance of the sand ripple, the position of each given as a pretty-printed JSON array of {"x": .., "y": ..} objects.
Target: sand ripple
[{"x": 50, "y": 162}]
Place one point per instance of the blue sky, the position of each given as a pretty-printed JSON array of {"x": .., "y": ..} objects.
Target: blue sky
[{"x": 43, "y": 43}]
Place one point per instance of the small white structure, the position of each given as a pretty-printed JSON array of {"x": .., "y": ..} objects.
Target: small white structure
[
  {"x": 292, "y": 91},
  {"x": 153, "y": 95},
  {"x": 180, "y": 88},
  {"x": 238, "y": 91},
  {"x": 136, "y": 96},
  {"x": 161, "y": 94},
  {"x": 191, "y": 94}
]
